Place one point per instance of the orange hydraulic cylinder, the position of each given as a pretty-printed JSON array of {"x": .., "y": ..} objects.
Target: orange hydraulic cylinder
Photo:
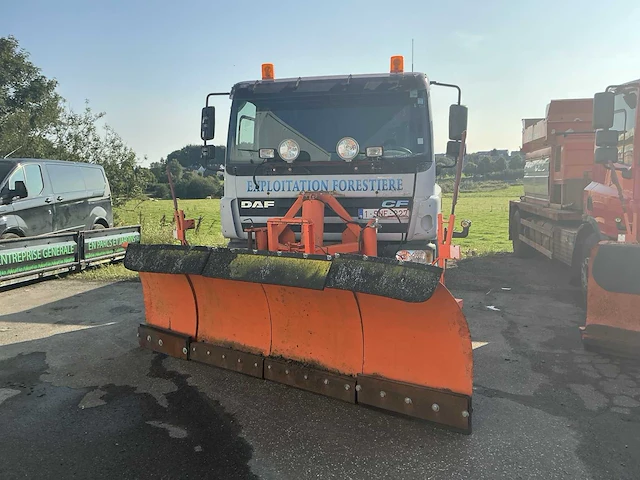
[
  {"x": 313, "y": 210},
  {"x": 262, "y": 239},
  {"x": 369, "y": 242}
]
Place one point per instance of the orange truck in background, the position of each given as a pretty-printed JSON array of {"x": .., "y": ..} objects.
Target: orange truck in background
[{"x": 573, "y": 170}]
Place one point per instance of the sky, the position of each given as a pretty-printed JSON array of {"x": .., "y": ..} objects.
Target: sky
[{"x": 149, "y": 65}]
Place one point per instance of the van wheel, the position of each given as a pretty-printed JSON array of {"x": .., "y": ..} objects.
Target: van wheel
[
  {"x": 7, "y": 236},
  {"x": 520, "y": 249},
  {"x": 98, "y": 226}
]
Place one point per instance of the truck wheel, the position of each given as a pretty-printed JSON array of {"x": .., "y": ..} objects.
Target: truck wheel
[
  {"x": 7, "y": 236},
  {"x": 98, "y": 226},
  {"x": 520, "y": 249},
  {"x": 585, "y": 253}
]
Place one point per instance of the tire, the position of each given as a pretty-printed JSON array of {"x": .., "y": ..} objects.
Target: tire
[
  {"x": 98, "y": 226},
  {"x": 520, "y": 249},
  {"x": 7, "y": 236},
  {"x": 585, "y": 253}
]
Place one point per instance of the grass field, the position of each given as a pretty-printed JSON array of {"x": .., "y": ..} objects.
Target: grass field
[
  {"x": 487, "y": 210},
  {"x": 489, "y": 215}
]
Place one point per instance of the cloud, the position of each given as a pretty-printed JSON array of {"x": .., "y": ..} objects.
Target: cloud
[{"x": 469, "y": 41}]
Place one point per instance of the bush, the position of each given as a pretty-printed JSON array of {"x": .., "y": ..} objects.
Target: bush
[
  {"x": 159, "y": 190},
  {"x": 195, "y": 186}
]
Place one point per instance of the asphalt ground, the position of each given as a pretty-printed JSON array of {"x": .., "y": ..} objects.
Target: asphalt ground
[{"x": 80, "y": 399}]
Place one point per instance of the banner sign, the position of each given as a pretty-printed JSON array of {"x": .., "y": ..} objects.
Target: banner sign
[
  {"x": 96, "y": 244},
  {"x": 29, "y": 256},
  {"x": 37, "y": 257}
]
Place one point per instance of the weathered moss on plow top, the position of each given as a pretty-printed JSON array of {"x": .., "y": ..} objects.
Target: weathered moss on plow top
[
  {"x": 267, "y": 268},
  {"x": 166, "y": 258},
  {"x": 409, "y": 282}
]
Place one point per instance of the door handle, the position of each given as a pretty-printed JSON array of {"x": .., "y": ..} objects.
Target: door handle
[
  {"x": 59, "y": 198},
  {"x": 47, "y": 200}
]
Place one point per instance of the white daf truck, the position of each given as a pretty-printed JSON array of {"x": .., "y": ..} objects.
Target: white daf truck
[{"x": 367, "y": 139}]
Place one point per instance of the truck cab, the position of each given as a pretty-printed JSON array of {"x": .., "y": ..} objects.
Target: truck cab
[
  {"x": 617, "y": 164},
  {"x": 367, "y": 139}
]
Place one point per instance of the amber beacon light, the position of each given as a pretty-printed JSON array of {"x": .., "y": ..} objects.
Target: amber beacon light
[
  {"x": 397, "y": 64},
  {"x": 267, "y": 71}
]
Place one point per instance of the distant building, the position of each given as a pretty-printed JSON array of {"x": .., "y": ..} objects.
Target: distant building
[
  {"x": 199, "y": 169},
  {"x": 488, "y": 153}
]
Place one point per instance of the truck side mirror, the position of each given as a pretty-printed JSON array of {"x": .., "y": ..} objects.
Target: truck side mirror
[
  {"x": 453, "y": 149},
  {"x": 208, "y": 123},
  {"x": 208, "y": 153},
  {"x": 607, "y": 138},
  {"x": 457, "y": 121},
  {"x": 605, "y": 155},
  {"x": 603, "y": 108}
]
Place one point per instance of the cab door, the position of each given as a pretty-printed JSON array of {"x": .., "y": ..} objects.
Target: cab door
[
  {"x": 69, "y": 196},
  {"x": 33, "y": 214}
]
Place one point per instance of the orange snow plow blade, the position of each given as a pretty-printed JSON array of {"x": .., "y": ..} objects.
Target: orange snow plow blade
[
  {"x": 361, "y": 329},
  {"x": 613, "y": 300}
]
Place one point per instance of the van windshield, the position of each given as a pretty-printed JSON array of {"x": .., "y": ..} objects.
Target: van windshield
[{"x": 396, "y": 121}]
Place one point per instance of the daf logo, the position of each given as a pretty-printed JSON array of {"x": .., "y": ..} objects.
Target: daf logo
[
  {"x": 257, "y": 204},
  {"x": 395, "y": 203}
]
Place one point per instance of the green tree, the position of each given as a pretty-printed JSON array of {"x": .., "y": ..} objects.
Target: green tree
[
  {"x": 159, "y": 190},
  {"x": 484, "y": 165},
  {"x": 187, "y": 156},
  {"x": 190, "y": 156},
  {"x": 78, "y": 137},
  {"x": 176, "y": 170},
  {"x": 516, "y": 162},
  {"x": 499, "y": 164},
  {"x": 159, "y": 170},
  {"x": 29, "y": 104},
  {"x": 470, "y": 168},
  {"x": 195, "y": 186},
  {"x": 36, "y": 122}
]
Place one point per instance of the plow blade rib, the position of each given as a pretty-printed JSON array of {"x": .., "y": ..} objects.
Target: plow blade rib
[
  {"x": 169, "y": 302},
  {"x": 362, "y": 330},
  {"x": 233, "y": 314},
  {"x": 613, "y": 300},
  {"x": 318, "y": 328},
  {"x": 424, "y": 343}
]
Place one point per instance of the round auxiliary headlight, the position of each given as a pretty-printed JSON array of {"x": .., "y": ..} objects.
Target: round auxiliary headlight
[
  {"x": 288, "y": 150},
  {"x": 347, "y": 149}
]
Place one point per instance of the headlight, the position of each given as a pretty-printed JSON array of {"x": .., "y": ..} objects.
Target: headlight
[
  {"x": 266, "y": 153},
  {"x": 417, "y": 256},
  {"x": 374, "y": 152},
  {"x": 347, "y": 149},
  {"x": 289, "y": 150}
]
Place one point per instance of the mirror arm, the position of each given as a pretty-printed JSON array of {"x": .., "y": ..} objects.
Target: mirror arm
[
  {"x": 215, "y": 94},
  {"x": 449, "y": 85}
]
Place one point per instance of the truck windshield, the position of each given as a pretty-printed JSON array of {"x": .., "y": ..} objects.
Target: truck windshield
[
  {"x": 624, "y": 121},
  {"x": 396, "y": 121}
]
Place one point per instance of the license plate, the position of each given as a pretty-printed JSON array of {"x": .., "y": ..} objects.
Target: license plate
[{"x": 383, "y": 213}]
